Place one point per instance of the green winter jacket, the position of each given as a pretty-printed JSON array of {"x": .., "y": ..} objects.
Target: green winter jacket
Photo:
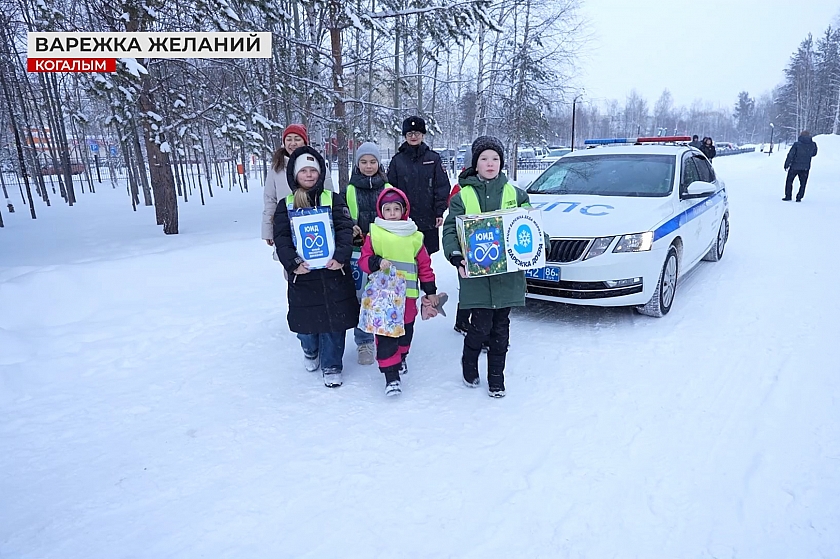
[{"x": 491, "y": 292}]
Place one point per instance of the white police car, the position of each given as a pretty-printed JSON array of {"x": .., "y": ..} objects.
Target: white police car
[{"x": 627, "y": 222}]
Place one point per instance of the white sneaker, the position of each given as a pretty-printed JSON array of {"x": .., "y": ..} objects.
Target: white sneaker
[
  {"x": 365, "y": 354},
  {"x": 393, "y": 388},
  {"x": 332, "y": 378},
  {"x": 311, "y": 364}
]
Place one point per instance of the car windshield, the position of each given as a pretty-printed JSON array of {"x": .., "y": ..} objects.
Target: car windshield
[{"x": 608, "y": 175}]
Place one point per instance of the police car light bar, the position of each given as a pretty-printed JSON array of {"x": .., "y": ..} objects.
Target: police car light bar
[{"x": 654, "y": 139}]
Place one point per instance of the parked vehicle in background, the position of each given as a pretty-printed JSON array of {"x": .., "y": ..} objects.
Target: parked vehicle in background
[
  {"x": 459, "y": 159},
  {"x": 626, "y": 223},
  {"x": 75, "y": 169},
  {"x": 526, "y": 154},
  {"x": 447, "y": 157},
  {"x": 555, "y": 153}
]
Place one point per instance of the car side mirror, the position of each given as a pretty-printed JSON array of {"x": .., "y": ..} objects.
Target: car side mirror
[{"x": 699, "y": 189}]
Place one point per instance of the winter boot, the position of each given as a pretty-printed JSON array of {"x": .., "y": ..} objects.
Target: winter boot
[
  {"x": 311, "y": 362},
  {"x": 496, "y": 385},
  {"x": 332, "y": 378},
  {"x": 366, "y": 354},
  {"x": 462, "y": 320},
  {"x": 403, "y": 367},
  {"x": 393, "y": 388},
  {"x": 470, "y": 373}
]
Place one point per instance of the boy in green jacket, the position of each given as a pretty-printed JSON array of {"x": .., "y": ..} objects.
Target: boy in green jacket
[{"x": 484, "y": 188}]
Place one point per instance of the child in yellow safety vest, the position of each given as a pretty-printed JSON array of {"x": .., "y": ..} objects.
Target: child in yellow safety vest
[
  {"x": 322, "y": 302},
  {"x": 484, "y": 188},
  {"x": 395, "y": 241},
  {"x": 366, "y": 184}
]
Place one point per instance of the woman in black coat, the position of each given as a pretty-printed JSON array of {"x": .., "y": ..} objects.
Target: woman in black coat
[
  {"x": 322, "y": 302},
  {"x": 708, "y": 148}
]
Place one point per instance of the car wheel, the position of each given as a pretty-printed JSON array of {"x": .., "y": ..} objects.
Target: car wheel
[
  {"x": 716, "y": 252},
  {"x": 666, "y": 288}
]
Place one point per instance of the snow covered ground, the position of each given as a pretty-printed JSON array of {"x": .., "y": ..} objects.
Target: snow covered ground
[{"x": 153, "y": 403}]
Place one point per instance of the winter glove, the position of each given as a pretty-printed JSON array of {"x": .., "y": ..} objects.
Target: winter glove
[
  {"x": 428, "y": 310},
  {"x": 457, "y": 260},
  {"x": 442, "y": 299}
]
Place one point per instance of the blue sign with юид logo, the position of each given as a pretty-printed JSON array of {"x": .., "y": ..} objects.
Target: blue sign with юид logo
[
  {"x": 314, "y": 240},
  {"x": 486, "y": 246}
]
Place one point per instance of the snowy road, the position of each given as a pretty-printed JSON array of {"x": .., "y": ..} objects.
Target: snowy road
[{"x": 153, "y": 404}]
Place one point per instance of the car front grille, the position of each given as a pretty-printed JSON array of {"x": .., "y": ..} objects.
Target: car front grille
[
  {"x": 580, "y": 289},
  {"x": 567, "y": 250}
]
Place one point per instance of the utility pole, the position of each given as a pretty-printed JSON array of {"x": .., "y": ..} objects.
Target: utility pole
[
  {"x": 574, "y": 110},
  {"x": 772, "y": 129}
]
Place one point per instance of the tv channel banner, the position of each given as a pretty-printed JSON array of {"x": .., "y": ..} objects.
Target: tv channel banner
[{"x": 98, "y": 52}]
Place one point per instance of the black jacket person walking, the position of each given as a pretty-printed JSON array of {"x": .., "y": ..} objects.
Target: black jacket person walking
[
  {"x": 418, "y": 171},
  {"x": 708, "y": 148},
  {"x": 798, "y": 164}
]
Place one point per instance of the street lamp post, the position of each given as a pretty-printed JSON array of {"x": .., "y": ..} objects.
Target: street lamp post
[
  {"x": 574, "y": 107},
  {"x": 772, "y": 129}
]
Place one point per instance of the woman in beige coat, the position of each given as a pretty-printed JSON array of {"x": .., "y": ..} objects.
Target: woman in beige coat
[{"x": 276, "y": 183}]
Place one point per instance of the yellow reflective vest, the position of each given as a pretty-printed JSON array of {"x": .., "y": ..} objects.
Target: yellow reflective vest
[
  {"x": 470, "y": 199},
  {"x": 325, "y": 200},
  {"x": 353, "y": 200},
  {"x": 401, "y": 252}
]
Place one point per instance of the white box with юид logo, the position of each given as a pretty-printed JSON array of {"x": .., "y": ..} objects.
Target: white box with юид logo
[{"x": 502, "y": 241}]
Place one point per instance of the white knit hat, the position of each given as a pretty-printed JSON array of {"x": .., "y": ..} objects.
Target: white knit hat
[{"x": 306, "y": 160}]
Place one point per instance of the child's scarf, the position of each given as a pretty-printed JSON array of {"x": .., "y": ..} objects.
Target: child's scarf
[{"x": 402, "y": 228}]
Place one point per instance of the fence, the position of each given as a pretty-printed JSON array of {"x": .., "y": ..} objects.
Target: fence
[{"x": 721, "y": 153}]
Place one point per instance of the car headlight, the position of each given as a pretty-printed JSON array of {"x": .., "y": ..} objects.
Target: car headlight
[
  {"x": 637, "y": 242},
  {"x": 599, "y": 247}
]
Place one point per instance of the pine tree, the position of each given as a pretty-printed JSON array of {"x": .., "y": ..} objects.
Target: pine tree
[{"x": 744, "y": 116}]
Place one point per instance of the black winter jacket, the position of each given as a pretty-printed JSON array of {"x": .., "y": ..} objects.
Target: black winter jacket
[
  {"x": 322, "y": 300},
  {"x": 368, "y": 190},
  {"x": 418, "y": 171},
  {"x": 800, "y": 154},
  {"x": 710, "y": 151}
]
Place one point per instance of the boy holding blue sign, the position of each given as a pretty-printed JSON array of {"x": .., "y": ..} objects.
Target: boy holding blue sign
[
  {"x": 394, "y": 241},
  {"x": 484, "y": 188},
  {"x": 313, "y": 235}
]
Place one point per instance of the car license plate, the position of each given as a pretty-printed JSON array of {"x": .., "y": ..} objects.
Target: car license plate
[{"x": 549, "y": 273}]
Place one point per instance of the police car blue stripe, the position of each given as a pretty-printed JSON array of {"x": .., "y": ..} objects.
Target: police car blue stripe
[{"x": 693, "y": 212}]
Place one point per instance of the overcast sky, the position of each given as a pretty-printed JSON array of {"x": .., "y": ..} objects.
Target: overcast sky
[{"x": 708, "y": 49}]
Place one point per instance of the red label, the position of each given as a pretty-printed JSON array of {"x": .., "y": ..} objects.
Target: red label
[{"x": 71, "y": 65}]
